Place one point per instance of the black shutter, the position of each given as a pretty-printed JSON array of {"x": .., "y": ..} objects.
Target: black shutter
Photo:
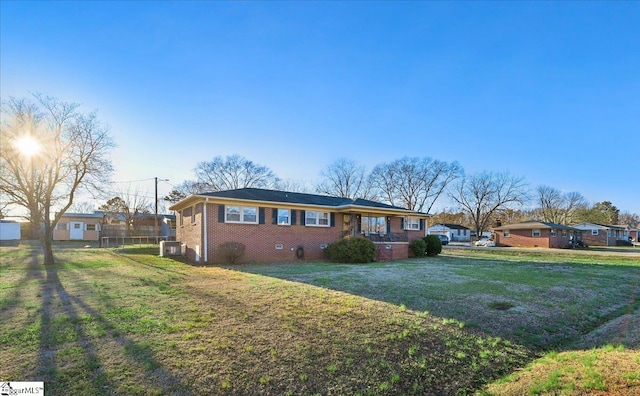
[
  {"x": 220, "y": 213},
  {"x": 332, "y": 219},
  {"x": 402, "y": 223},
  {"x": 302, "y": 212},
  {"x": 358, "y": 224},
  {"x": 274, "y": 216},
  {"x": 388, "y": 225},
  {"x": 293, "y": 217},
  {"x": 421, "y": 224},
  {"x": 260, "y": 215}
]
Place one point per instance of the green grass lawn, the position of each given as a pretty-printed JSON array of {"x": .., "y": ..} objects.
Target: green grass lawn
[{"x": 124, "y": 321}]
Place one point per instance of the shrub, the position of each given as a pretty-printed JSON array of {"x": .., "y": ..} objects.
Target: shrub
[
  {"x": 418, "y": 247},
  {"x": 231, "y": 252},
  {"x": 354, "y": 250},
  {"x": 434, "y": 245}
]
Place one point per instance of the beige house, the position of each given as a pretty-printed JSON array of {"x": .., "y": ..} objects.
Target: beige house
[{"x": 78, "y": 226}]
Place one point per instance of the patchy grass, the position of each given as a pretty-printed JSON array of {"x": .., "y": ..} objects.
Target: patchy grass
[
  {"x": 543, "y": 301},
  {"x": 611, "y": 370},
  {"x": 124, "y": 321}
]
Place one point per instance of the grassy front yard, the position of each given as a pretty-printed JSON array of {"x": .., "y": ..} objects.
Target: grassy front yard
[{"x": 109, "y": 321}]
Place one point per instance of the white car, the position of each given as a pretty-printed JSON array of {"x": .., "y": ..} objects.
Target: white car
[{"x": 485, "y": 241}]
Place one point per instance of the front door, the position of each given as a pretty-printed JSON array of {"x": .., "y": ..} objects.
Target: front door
[{"x": 76, "y": 230}]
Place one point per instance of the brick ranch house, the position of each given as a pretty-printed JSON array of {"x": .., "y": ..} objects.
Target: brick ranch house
[
  {"x": 602, "y": 234},
  {"x": 535, "y": 234},
  {"x": 284, "y": 226}
]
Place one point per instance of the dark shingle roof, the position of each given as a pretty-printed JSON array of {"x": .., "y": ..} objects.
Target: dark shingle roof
[
  {"x": 259, "y": 194},
  {"x": 452, "y": 226},
  {"x": 534, "y": 224}
]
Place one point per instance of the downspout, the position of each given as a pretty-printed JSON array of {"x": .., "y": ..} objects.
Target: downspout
[{"x": 205, "y": 243}]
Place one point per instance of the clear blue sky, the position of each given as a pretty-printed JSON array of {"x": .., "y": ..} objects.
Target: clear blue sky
[{"x": 546, "y": 90}]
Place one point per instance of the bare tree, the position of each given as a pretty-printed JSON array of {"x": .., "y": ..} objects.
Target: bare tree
[
  {"x": 293, "y": 185},
  {"x": 231, "y": 173},
  {"x": 129, "y": 205},
  {"x": 346, "y": 179},
  {"x": 414, "y": 183},
  {"x": 556, "y": 207},
  {"x": 67, "y": 151},
  {"x": 82, "y": 207},
  {"x": 483, "y": 195},
  {"x": 184, "y": 189},
  {"x": 630, "y": 219}
]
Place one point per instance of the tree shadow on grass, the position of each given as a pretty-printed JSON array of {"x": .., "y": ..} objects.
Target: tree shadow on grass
[
  {"x": 11, "y": 301},
  {"x": 90, "y": 369}
]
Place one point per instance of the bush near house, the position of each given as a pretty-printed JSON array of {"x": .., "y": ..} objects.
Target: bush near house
[
  {"x": 354, "y": 250},
  {"x": 232, "y": 252},
  {"x": 434, "y": 245},
  {"x": 418, "y": 247}
]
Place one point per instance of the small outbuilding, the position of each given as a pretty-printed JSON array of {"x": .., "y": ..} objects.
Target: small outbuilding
[{"x": 9, "y": 233}]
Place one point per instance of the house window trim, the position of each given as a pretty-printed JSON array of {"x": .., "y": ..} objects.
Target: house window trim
[
  {"x": 553, "y": 233},
  {"x": 193, "y": 215},
  {"x": 242, "y": 214},
  {"x": 410, "y": 221},
  {"x": 594, "y": 232},
  {"x": 317, "y": 218},
  {"x": 536, "y": 231},
  {"x": 506, "y": 233},
  {"x": 288, "y": 217}
]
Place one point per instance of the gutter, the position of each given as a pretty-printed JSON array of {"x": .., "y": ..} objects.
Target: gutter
[{"x": 205, "y": 233}]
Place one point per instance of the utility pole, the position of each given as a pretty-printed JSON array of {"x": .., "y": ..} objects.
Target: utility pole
[{"x": 155, "y": 220}]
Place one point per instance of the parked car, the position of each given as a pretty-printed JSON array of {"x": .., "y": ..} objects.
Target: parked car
[
  {"x": 485, "y": 241},
  {"x": 444, "y": 239}
]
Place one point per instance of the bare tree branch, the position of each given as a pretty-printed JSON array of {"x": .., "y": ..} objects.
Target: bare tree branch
[{"x": 74, "y": 149}]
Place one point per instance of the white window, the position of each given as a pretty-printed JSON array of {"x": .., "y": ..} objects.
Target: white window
[
  {"x": 61, "y": 226},
  {"x": 535, "y": 233},
  {"x": 594, "y": 232},
  {"x": 319, "y": 219},
  {"x": 553, "y": 233},
  {"x": 91, "y": 227},
  {"x": 284, "y": 217},
  {"x": 412, "y": 224},
  {"x": 193, "y": 214},
  {"x": 506, "y": 233},
  {"x": 241, "y": 214}
]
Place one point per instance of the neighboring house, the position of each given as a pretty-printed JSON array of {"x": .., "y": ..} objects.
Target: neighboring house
[
  {"x": 78, "y": 226},
  {"x": 9, "y": 232},
  {"x": 455, "y": 232},
  {"x": 284, "y": 226},
  {"x": 91, "y": 226},
  {"x": 535, "y": 234},
  {"x": 601, "y": 234}
]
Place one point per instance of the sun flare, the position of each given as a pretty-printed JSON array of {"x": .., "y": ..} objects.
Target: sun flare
[{"x": 28, "y": 145}]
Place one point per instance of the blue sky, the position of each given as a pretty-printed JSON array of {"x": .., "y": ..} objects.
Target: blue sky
[{"x": 545, "y": 90}]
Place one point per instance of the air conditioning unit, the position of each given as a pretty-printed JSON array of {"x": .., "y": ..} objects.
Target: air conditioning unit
[{"x": 170, "y": 248}]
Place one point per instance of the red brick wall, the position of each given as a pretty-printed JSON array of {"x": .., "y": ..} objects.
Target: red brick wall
[
  {"x": 524, "y": 238},
  {"x": 595, "y": 240},
  {"x": 260, "y": 240},
  {"x": 190, "y": 233}
]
